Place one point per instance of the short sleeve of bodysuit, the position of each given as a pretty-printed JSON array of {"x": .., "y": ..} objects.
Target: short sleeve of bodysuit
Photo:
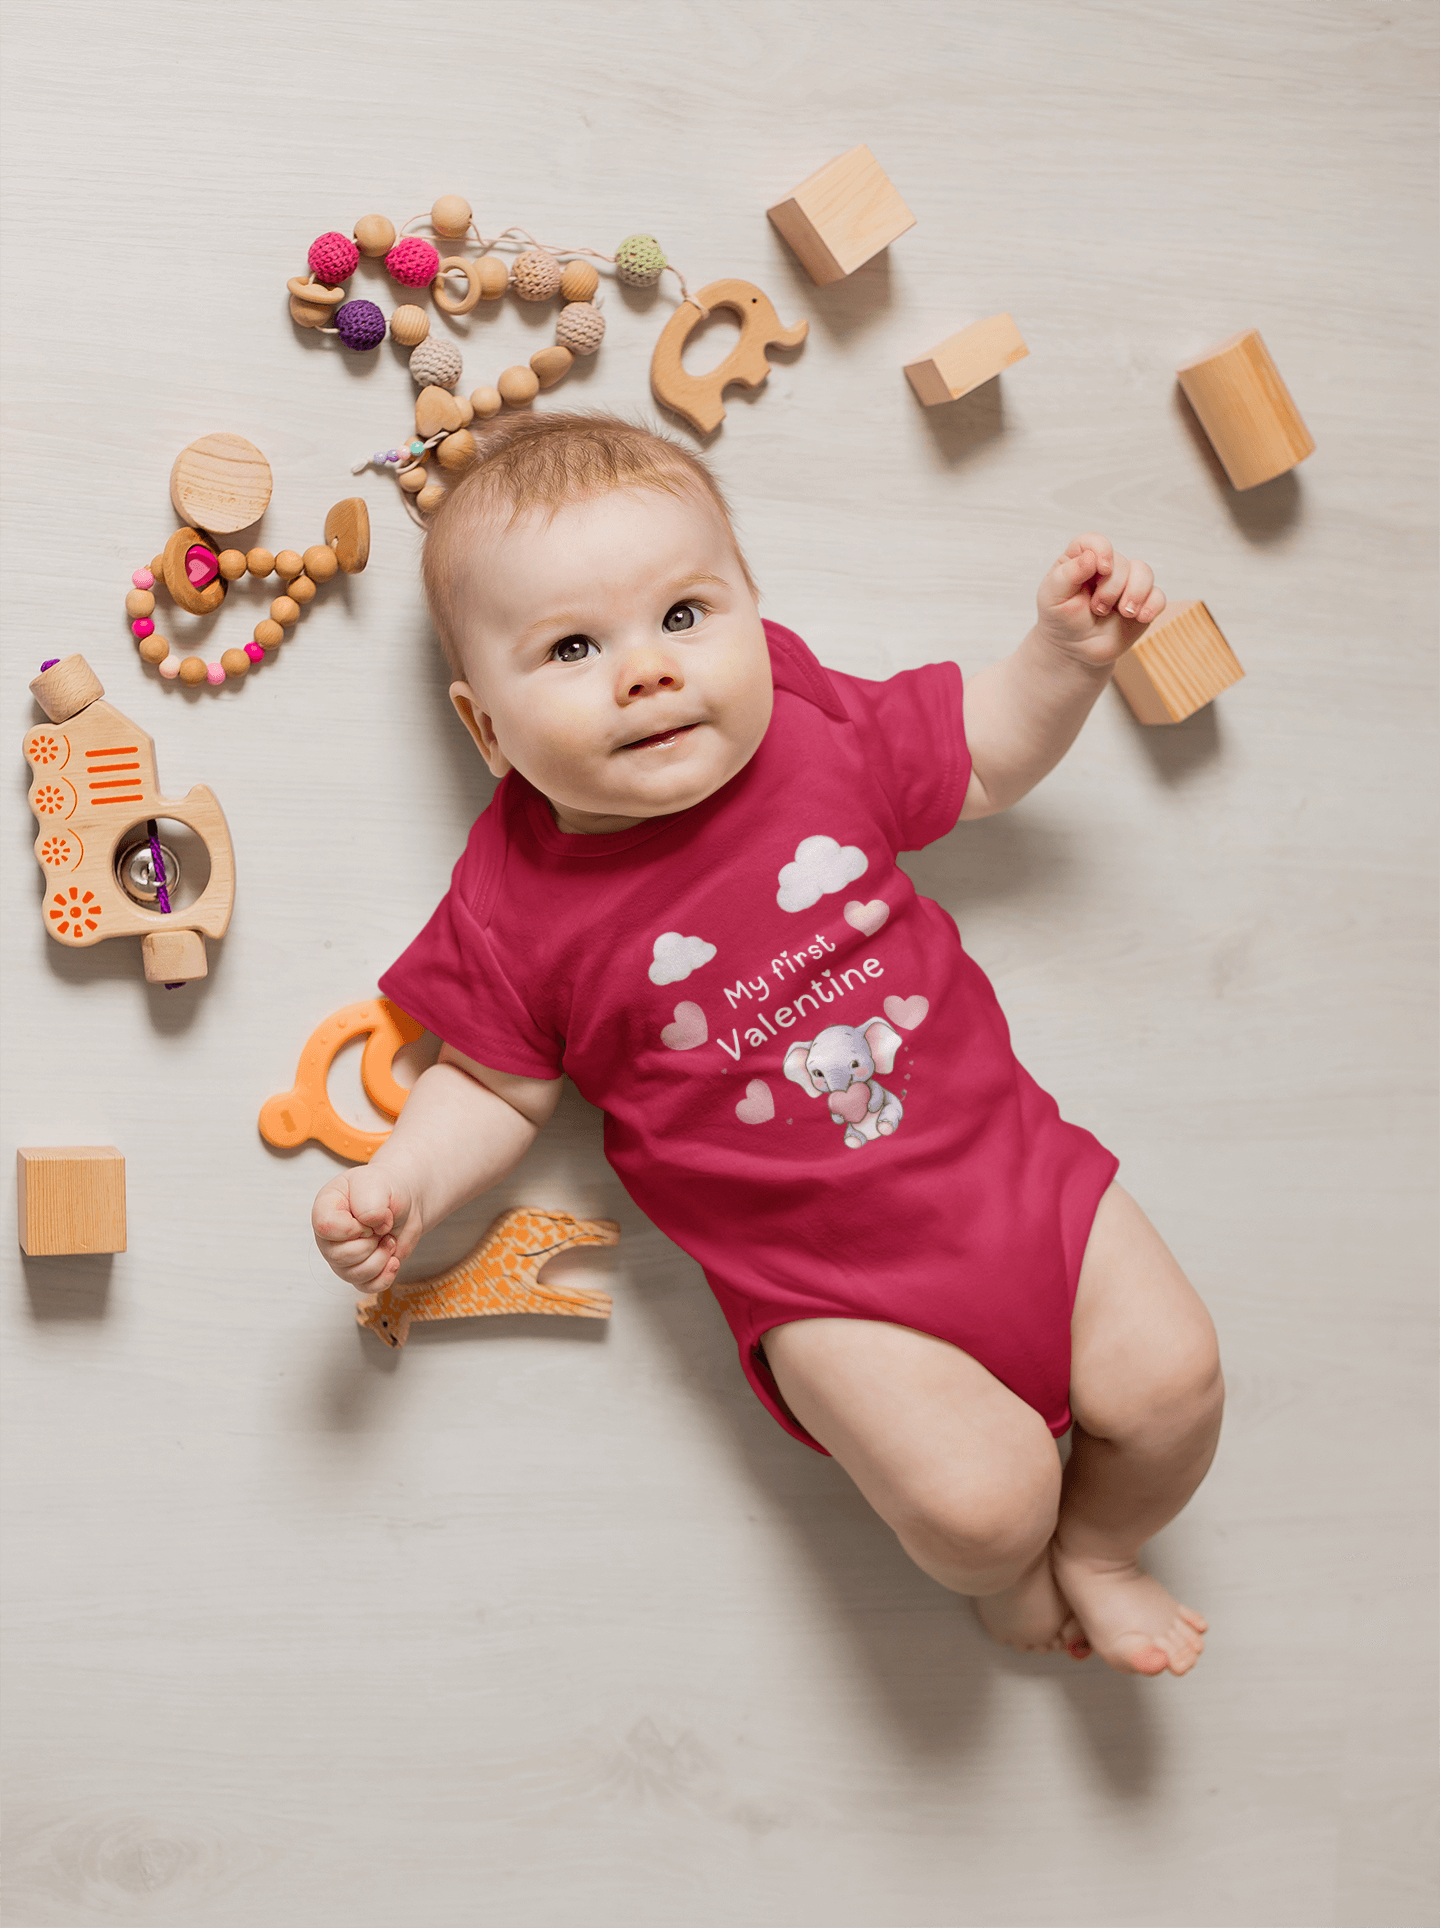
[{"x": 914, "y": 726}]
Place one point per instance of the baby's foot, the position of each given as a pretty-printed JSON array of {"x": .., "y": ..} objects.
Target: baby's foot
[
  {"x": 1128, "y": 1617},
  {"x": 1032, "y": 1616}
]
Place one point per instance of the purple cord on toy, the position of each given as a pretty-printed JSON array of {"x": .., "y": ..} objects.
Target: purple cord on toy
[
  {"x": 50, "y": 665},
  {"x": 162, "y": 895}
]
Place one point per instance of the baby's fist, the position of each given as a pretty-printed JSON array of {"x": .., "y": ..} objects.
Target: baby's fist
[
  {"x": 362, "y": 1222},
  {"x": 1093, "y": 600}
]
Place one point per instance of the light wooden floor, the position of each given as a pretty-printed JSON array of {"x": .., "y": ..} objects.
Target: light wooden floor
[{"x": 548, "y": 1624}]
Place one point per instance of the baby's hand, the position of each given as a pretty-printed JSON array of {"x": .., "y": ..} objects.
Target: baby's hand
[
  {"x": 1093, "y": 602},
  {"x": 365, "y": 1224}
]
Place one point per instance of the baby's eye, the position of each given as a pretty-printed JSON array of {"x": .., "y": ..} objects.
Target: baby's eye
[
  {"x": 571, "y": 649},
  {"x": 683, "y": 616}
]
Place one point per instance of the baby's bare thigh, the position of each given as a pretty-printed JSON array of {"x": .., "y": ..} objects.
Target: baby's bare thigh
[
  {"x": 921, "y": 1427},
  {"x": 1141, "y": 1340}
]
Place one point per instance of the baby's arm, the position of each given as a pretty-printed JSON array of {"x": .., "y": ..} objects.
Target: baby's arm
[
  {"x": 463, "y": 1128},
  {"x": 1022, "y": 714}
]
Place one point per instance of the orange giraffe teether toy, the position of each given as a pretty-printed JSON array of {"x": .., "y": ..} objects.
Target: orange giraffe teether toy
[
  {"x": 697, "y": 397},
  {"x": 305, "y": 1111},
  {"x": 500, "y": 1275}
]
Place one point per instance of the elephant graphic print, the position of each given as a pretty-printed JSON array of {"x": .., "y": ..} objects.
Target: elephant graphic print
[{"x": 806, "y": 1082}]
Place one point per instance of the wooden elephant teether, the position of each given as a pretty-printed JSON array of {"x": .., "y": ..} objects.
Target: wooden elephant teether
[
  {"x": 305, "y": 1111},
  {"x": 697, "y": 397},
  {"x": 95, "y": 793},
  {"x": 499, "y": 1275}
]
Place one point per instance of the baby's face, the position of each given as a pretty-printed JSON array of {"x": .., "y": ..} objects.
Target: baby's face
[{"x": 614, "y": 656}]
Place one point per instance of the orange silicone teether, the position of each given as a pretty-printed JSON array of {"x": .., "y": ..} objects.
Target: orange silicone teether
[{"x": 305, "y": 1111}]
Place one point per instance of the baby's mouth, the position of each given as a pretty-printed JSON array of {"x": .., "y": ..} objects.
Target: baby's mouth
[{"x": 660, "y": 738}]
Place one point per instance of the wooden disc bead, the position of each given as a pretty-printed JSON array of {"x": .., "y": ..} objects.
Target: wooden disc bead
[
  {"x": 431, "y": 497},
  {"x": 414, "y": 480},
  {"x": 486, "y": 402},
  {"x": 288, "y": 564},
  {"x": 518, "y": 386},
  {"x": 409, "y": 326},
  {"x": 551, "y": 365},
  {"x": 457, "y": 451},
  {"x": 268, "y": 634},
  {"x": 578, "y": 281},
  {"x": 284, "y": 610},
  {"x": 260, "y": 562},
  {"x": 154, "y": 649},
  {"x": 234, "y": 662},
  {"x": 494, "y": 273},
  {"x": 139, "y": 603},
  {"x": 374, "y": 235},
  {"x": 232, "y": 564},
  {"x": 301, "y": 589},
  {"x": 320, "y": 562},
  {"x": 192, "y": 670}
]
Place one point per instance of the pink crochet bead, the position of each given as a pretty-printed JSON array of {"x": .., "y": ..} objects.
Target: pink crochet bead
[
  {"x": 142, "y": 627},
  {"x": 255, "y": 652},
  {"x": 170, "y": 668},
  {"x": 413, "y": 262},
  {"x": 214, "y": 672},
  {"x": 143, "y": 579},
  {"x": 333, "y": 258}
]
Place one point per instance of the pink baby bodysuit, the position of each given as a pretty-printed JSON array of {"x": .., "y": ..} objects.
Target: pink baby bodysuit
[{"x": 807, "y": 1083}]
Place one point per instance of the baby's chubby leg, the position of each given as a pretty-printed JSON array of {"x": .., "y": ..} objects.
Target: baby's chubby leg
[
  {"x": 1146, "y": 1392},
  {"x": 965, "y": 1473}
]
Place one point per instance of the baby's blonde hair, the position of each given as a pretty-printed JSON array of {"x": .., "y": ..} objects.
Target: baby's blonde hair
[{"x": 542, "y": 462}]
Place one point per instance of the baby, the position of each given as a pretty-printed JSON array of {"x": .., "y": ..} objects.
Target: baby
[{"x": 684, "y": 895}]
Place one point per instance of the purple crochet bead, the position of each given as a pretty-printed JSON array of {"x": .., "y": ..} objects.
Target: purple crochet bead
[{"x": 360, "y": 324}]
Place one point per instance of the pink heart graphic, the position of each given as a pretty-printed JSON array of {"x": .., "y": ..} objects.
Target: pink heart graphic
[
  {"x": 757, "y": 1107},
  {"x": 688, "y": 1030},
  {"x": 202, "y": 566},
  {"x": 867, "y": 917},
  {"x": 850, "y": 1105},
  {"x": 906, "y": 1012}
]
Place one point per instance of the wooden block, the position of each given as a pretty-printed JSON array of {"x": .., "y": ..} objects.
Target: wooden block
[
  {"x": 72, "y": 1199},
  {"x": 842, "y": 216},
  {"x": 221, "y": 483},
  {"x": 1181, "y": 663},
  {"x": 1246, "y": 410},
  {"x": 175, "y": 957},
  {"x": 964, "y": 361}
]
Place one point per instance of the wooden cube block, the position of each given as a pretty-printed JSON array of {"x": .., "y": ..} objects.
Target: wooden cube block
[
  {"x": 842, "y": 216},
  {"x": 1246, "y": 410},
  {"x": 72, "y": 1199},
  {"x": 1178, "y": 666},
  {"x": 173, "y": 957},
  {"x": 964, "y": 361}
]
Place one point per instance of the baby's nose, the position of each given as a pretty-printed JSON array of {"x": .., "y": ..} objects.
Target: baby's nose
[{"x": 649, "y": 670}]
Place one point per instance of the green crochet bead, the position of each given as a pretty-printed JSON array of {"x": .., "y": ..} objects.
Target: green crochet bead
[{"x": 640, "y": 260}]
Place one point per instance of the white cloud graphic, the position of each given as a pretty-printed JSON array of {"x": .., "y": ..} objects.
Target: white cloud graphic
[
  {"x": 821, "y": 865},
  {"x": 677, "y": 957}
]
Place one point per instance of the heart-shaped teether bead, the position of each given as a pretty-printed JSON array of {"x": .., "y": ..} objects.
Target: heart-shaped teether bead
[{"x": 202, "y": 565}]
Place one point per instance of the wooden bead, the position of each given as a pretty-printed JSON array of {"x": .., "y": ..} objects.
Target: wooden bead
[
  {"x": 320, "y": 562},
  {"x": 284, "y": 610},
  {"x": 302, "y": 590},
  {"x": 457, "y": 451},
  {"x": 311, "y": 293},
  {"x": 374, "y": 235},
  {"x": 157, "y": 567},
  {"x": 414, "y": 480},
  {"x": 431, "y": 497},
  {"x": 260, "y": 562},
  {"x": 235, "y": 662},
  {"x": 436, "y": 412},
  {"x": 450, "y": 216},
  {"x": 409, "y": 326},
  {"x": 192, "y": 670},
  {"x": 578, "y": 281},
  {"x": 551, "y": 365},
  {"x": 447, "y": 303},
  {"x": 287, "y": 564},
  {"x": 268, "y": 634},
  {"x": 518, "y": 386},
  {"x": 486, "y": 402},
  {"x": 467, "y": 410},
  {"x": 154, "y": 649},
  {"x": 139, "y": 603},
  {"x": 66, "y": 688},
  {"x": 309, "y": 314},
  {"x": 494, "y": 273},
  {"x": 347, "y": 532},
  {"x": 232, "y": 564}
]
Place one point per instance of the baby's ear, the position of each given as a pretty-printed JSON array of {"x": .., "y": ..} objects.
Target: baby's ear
[{"x": 468, "y": 709}]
